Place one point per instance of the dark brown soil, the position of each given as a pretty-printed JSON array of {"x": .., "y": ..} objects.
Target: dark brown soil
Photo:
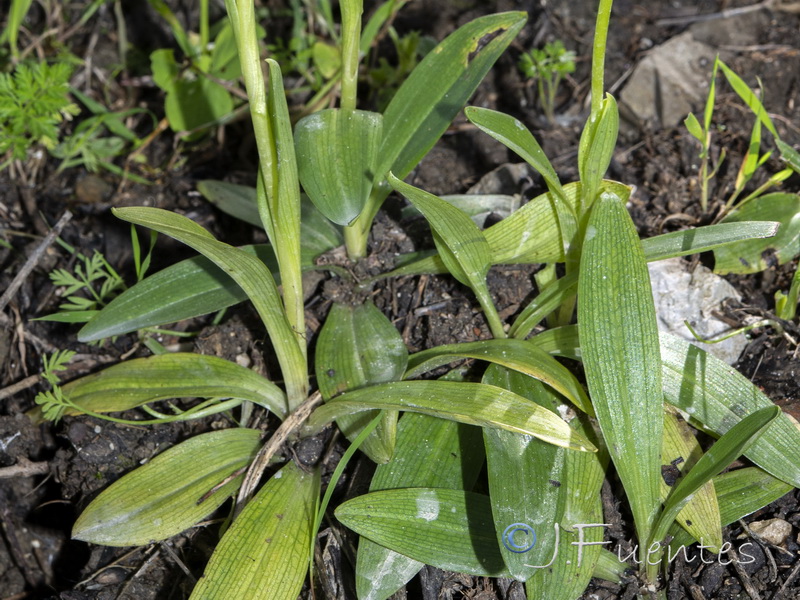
[{"x": 64, "y": 466}]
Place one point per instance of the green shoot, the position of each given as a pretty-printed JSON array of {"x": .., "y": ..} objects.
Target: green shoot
[{"x": 547, "y": 66}]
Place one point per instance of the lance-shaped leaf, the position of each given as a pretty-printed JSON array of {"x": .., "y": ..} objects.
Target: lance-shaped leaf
[
  {"x": 598, "y": 139},
  {"x": 619, "y": 342},
  {"x": 426, "y": 103},
  {"x": 524, "y": 480},
  {"x": 172, "y": 492},
  {"x": 757, "y": 255},
  {"x": 187, "y": 289},
  {"x": 265, "y": 552},
  {"x": 317, "y": 234},
  {"x": 668, "y": 245},
  {"x": 249, "y": 273},
  {"x": 717, "y": 397},
  {"x": 680, "y": 452},
  {"x": 739, "y": 493},
  {"x": 471, "y": 403},
  {"x": 180, "y": 375},
  {"x": 724, "y": 451},
  {"x": 580, "y": 544},
  {"x": 359, "y": 346},
  {"x": 337, "y": 151},
  {"x": 514, "y": 354},
  {"x": 461, "y": 245},
  {"x": 434, "y": 92},
  {"x": 430, "y": 453},
  {"x": 449, "y": 529}
]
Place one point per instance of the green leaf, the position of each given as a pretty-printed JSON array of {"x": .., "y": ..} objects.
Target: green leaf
[
  {"x": 337, "y": 151},
  {"x": 170, "y": 493},
  {"x": 514, "y": 135},
  {"x": 535, "y": 468},
  {"x": 461, "y": 245},
  {"x": 694, "y": 128},
  {"x": 748, "y": 97},
  {"x": 514, "y": 354},
  {"x": 180, "y": 375},
  {"x": 724, "y": 451},
  {"x": 318, "y": 234},
  {"x": 619, "y": 341},
  {"x": 717, "y": 397},
  {"x": 430, "y": 452},
  {"x": 429, "y": 99},
  {"x": 739, "y": 493},
  {"x": 789, "y": 155},
  {"x": 449, "y": 529},
  {"x": 680, "y": 452},
  {"x": 757, "y": 255},
  {"x": 471, "y": 403},
  {"x": 249, "y": 273},
  {"x": 187, "y": 289},
  {"x": 667, "y": 245},
  {"x": 579, "y": 549},
  {"x": 359, "y": 346},
  {"x": 265, "y": 552},
  {"x": 194, "y": 104},
  {"x": 598, "y": 140}
]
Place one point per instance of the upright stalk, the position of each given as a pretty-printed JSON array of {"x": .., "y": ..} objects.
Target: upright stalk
[
  {"x": 279, "y": 193},
  {"x": 351, "y": 38},
  {"x": 599, "y": 53}
]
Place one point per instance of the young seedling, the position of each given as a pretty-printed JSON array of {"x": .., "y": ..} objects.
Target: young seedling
[{"x": 547, "y": 67}]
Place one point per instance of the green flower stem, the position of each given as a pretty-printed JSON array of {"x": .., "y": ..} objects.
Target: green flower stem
[
  {"x": 599, "y": 53},
  {"x": 492, "y": 317},
  {"x": 279, "y": 205},
  {"x": 351, "y": 36}
]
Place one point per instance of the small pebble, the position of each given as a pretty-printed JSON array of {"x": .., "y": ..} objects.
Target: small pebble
[{"x": 774, "y": 531}]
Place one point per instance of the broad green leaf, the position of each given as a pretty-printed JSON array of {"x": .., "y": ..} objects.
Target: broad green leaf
[
  {"x": 619, "y": 341},
  {"x": 724, "y": 451},
  {"x": 430, "y": 452},
  {"x": 449, "y": 529},
  {"x": 337, "y": 151},
  {"x": 717, "y": 397},
  {"x": 579, "y": 548},
  {"x": 711, "y": 393},
  {"x": 534, "y": 501},
  {"x": 187, "y": 289},
  {"x": 426, "y": 103},
  {"x": 471, "y": 403},
  {"x": 668, "y": 245},
  {"x": 170, "y": 493},
  {"x": 196, "y": 103},
  {"x": 598, "y": 139},
  {"x": 180, "y": 375},
  {"x": 461, "y": 245},
  {"x": 757, "y": 255},
  {"x": 514, "y": 135},
  {"x": 477, "y": 206},
  {"x": 680, "y": 452},
  {"x": 249, "y": 273},
  {"x": 514, "y": 354},
  {"x": 264, "y": 554},
  {"x": 739, "y": 493},
  {"x": 318, "y": 234},
  {"x": 359, "y": 346}
]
